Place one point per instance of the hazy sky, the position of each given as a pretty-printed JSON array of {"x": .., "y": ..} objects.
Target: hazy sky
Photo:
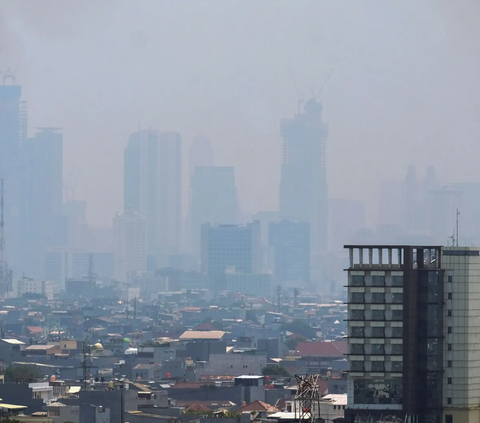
[{"x": 404, "y": 88}]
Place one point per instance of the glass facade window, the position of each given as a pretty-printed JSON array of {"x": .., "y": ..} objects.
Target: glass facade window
[
  {"x": 378, "y": 280},
  {"x": 397, "y": 314},
  {"x": 397, "y": 280},
  {"x": 378, "y": 366},
  {"x": 378, "y": 298},
  {"x": 378, "y": 349},
  {"x": 378, "y": 314},
  {"x": 397, "y": 298},
  {"x": 397, "y": 366},
  {"x": 397, "y": 349},
  {"x": 357, "y": 366},
  {"x": 357, "y": 297},
  {"x": 358, "y": 280},
  {"x": 377, "y": 391},
  {"x": 357, "y": 349},
  {"x": 358, "y": 331},
  {"x": 397, "y": 332},
  {"x": 378, "y": 332},
  {"x": 357, "y": 315}
]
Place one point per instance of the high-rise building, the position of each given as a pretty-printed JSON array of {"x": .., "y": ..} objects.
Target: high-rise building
[
  {"x": 213, "y": 200},
  {"x": 303, "y": 183},
  {"x": 152, "y": 186},
  {"x": 10, "y": 127},
  {"x": 41, "y": 211},
  {"x": 230, "y": 247},
  {"x": 413, "y": 319},
  {"x": 290, "y": 240},
  {"x": 130, "y": 255}
]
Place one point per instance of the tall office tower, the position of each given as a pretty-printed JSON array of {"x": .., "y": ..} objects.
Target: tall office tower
[
  {"x": 200, "y": 154},
  {"x": 303, "y": 183},
  {"x": 10, "y": 127},
  {"x": 213, "y": 200},
  {"x": 290, "y": 240},
  {"x": 130, "y": 239},
  {"x": 12, "y": 119},
  {"x": 233, "y": 248},
  {"x": 42, "y": 222},
  {"x": 152, "y": 186},
  {"x": 413, "y": 334},
  {"x": 395, "y": 334}
]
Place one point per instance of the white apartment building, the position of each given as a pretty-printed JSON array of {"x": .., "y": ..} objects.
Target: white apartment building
[
  {"x": 130, "y": 256},
  {"x": 32, "y": 286}
]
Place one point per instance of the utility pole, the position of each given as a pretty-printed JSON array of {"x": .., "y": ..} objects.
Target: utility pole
[{"x": 86, "y": 361}]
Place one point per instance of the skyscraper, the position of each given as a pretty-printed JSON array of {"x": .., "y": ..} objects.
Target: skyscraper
[
  {"x": 152, "y": 186},
  {"x": 42, "y": 194},
  {"x": 230, "y": 248},
  {"x": 129, "y": 231},
  {"x": 303, "y": 184},
  {"x": 10, "y": 127},
  {"x": 213, "y": 200},
  {"x": 200, "y": 154},
  {"x": 290, "y": 240}
]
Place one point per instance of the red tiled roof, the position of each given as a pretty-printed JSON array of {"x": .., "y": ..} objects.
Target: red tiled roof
[
  {"x": 205, "y": 326},
  {"x": 35, "y": 329},
  {"x": 322, "y": 349},
  {"x": 198, "y": 408},
  {"x": 259, "y": 406}
]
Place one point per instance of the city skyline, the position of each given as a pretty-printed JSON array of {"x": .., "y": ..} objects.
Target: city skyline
[{"x": 373, "y": 119}]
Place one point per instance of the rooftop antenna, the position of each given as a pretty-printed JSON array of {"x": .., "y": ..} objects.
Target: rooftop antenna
[
  {"x": 456, "y": 227},
  {"x": 9, "y": 75},
  {"x": 86, "y": 361}
]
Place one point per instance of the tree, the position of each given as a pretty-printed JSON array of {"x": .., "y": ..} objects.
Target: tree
[
  {"x": 22, "y": 373},
  {"x": 274, "y": 370}
]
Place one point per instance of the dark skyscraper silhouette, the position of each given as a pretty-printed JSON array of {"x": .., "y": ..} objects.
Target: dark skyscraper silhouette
[{"x": 303, "y": 184}]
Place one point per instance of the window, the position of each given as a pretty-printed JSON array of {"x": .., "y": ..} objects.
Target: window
[
  {"x": 449, "y": 402},
  {"x": 357, "y": 297},
  {"x": 449, "y": 381},
  {"x": 397, "y": 314},
  {"x": 357, "y": 349},
  {"x": 358, "y": 280},
  {"x": 357, "y": 331},
  {"x": 397, "y": 366},
  {"x": 378, "y": 332},
  {"x": 449, "y": 363},
  {"x": 450, "y": 295},
  {"x": 378, "y": 349},
  {"x": 378, "y": 366},
  {"x": 397, "y": 298},
  {"x": 356, "y": 366},
  {"x": 378, "y": 280},
  {"x": 449, "y": 347},
  {"x": 357, "y": 315},
  {"x": 449, "y": 329},
  {"x": 450, "y": 278},
  {"x": 397, "y": 280},
  {"x": 397, "y": 349},
  {"x": 397, "y": 332},
  {"x": 378, "y": 297},
  {"x": 449, "y": 313},
  {"x": 378, "y": 314}
]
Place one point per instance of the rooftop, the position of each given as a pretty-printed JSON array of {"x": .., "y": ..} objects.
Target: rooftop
[{"x": 196, "y": 334}]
